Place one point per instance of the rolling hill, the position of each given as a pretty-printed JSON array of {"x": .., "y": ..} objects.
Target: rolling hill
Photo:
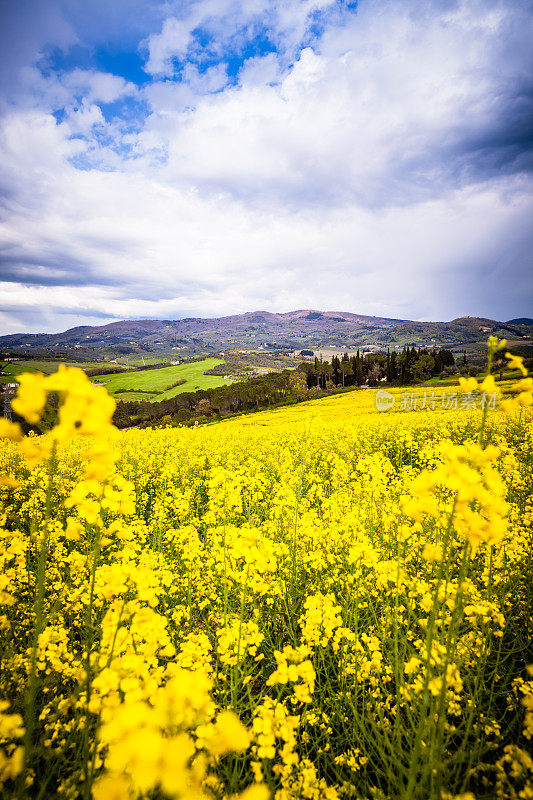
[{"x": 262, "y": 330}]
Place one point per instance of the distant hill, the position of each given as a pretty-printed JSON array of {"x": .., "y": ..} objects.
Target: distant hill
[
  {"x": 460, "y": 330},
  {"x": 520, "y": 321},
  {"x": 256, "y": 328},
  {"x": 261, "y": 330}
]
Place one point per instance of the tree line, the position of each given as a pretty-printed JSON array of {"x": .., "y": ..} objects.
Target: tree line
[
  {"x": 309, "y": 380},
  {"x": 204, "y": 405},
  {"x": 411, "y": 365}
]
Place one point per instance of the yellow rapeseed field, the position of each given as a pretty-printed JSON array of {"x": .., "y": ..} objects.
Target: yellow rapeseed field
[{"x": 321, "y": 601}]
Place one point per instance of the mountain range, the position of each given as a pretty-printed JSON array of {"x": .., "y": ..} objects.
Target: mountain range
[{"x": 264, "y": 330}]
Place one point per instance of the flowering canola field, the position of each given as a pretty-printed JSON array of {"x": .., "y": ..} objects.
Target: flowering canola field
[{"x": 322, "y": 601}]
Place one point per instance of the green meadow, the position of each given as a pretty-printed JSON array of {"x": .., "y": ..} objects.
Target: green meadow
[
  {"x": 10, "y": 369},
  {"x": 160, "y": 384}
]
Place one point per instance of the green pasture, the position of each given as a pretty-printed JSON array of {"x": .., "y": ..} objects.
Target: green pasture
[
  {"x": 453, "y": 380},
  {"x": 10, "y": 369},
  {"x": 157, "y": 384},
  {"x": 141, "y": 361}
]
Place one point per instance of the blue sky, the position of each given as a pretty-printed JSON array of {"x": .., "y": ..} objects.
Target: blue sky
[{"x": 219, "y": 156}]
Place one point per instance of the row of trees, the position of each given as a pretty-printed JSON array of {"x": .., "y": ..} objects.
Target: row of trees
[
  {"x": 290, "y": 386},
  {"x": 207, "y": 404},
  {"x": 411, "y": 365}
]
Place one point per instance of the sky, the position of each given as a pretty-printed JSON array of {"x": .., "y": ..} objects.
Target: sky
[{"x": 212, "y": 157}]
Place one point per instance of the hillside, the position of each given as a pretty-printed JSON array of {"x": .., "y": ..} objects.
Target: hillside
[
  {"x": 459, "y": 331},
  {"x": 260, "y": 330}
]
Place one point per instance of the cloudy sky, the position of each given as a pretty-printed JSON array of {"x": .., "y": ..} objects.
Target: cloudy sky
[{"x": 210, "y": 157}]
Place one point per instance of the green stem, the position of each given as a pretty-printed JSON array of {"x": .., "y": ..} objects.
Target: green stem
[
  {"x": 38, "y": 610},
  {"x": 88, "y": 669}
]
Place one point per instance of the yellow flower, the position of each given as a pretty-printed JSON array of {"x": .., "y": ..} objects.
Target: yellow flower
[
  {"x": 230, "y": 735},
  {"x": 112, "y": 787},
  {"x": 10, "y": 724},
  {"x": 74, "y": 530},
  {"x": 86, "y": 409},
  {"x": 525, "y": 385},
  {"x": 489, "y": 385},
  {"x": 516, "y": 362},
  {"x": 493, "y": 344},
  {"x": 254, "y": 792},
  {"x": 31, "y": 396},
  {"x": 432, "y": 552},
  {"x": 238, "y": 640},
  {"x": 10, "y": 430},
  {"x": 175, "y": 777},
  {"x": 320, "y": 620},
  {"x": 524, "y": 397},
  {"x": 293, "y": 665},
  {"x": 34, "y": 449},
  {"x": 230, "y": 563},
  {"x": 11, "y": 766},
  {"x": 480, "y": 509},
  {"x": 468, "y": 384}
]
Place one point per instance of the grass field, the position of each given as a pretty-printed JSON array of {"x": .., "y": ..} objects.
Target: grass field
[
  {"x": 144, "y": 361},
  {"x": 14, "y": 368},
  {"x": 453, "y": 380},
  {"x": 317, "y": 602},
  {"x": 155, "y": 384}
]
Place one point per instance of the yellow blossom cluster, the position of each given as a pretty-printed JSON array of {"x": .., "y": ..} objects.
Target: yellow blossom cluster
[
  {"x": 238, "y": 640},
  {"x": 321, "y": 619},
  {"x": 474, "y": 492},
  {"x": 319, "y": 601},
  {"x": 11, "y": 753},
  {"x": 151, "y": 744},
  {"x": 294, "y": 666}
]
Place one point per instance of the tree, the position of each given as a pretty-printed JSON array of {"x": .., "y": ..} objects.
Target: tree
[
  {"x": 345, "y": 368},
  {"x": 336, "y": 367},
  {"x": 328, "y": 372},
  {"x": 298, "y": 384},
  {"x": 373, "y": 373},
  {"x": 357, "y": 367},
  {"x": 204, "y": 407},
  {"x": 393, "y": 369},
  {"x": 423, "y": 367}
]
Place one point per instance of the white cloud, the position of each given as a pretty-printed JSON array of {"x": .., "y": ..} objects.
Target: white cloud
[
  {"x": 96, "y": 87},
  {"x": 380, "y": 173},
  {"x": 144, "y": 249},
  {"x": 385, "y": 112},
  {"x": 172, "y": 41},
  {"x": 230, "y": 22}
]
